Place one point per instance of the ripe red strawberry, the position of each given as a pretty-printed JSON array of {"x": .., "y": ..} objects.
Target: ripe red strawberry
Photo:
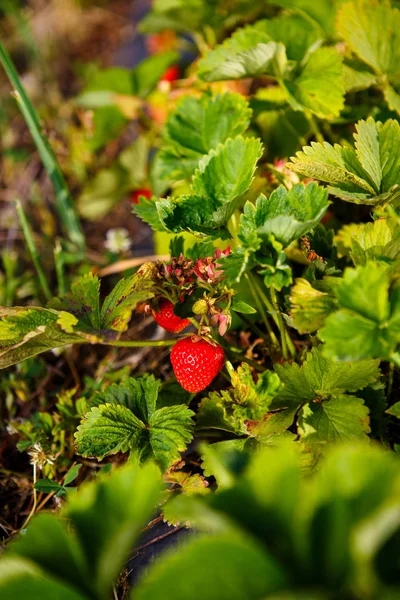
[
  {"x": 196, "y": 363},
  {"x": 140, "y": 192},
  {"x": 171, "y": 74},
  {"x": 167, "y": 318}
]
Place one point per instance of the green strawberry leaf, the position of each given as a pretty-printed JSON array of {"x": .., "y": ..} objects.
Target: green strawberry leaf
[
  {"x": 327, "y": 377},
  {"x": 366, "y": 175},
  {"x": 138, "y": 394},
  {"x": 83, "y": 301},
  {"x": 336, "y": 420},
  {"x": 321, "y": 13},
  {"x": 319, "y": 86},
  {"x": 222, "y": 460},
  {"x": 379, "y": 241},
  {"x": 289, "y": 214},
  {"x": 309, "y": 306},
  {"x": 107, "y": 516},
  {"x": 394, "y": 410},
  {"x": 367, "y": 323},
  {"x": 108, "y": 429},
  {"x": 21, "y": 578},
  {"x": 298, "y": 34},
  {"x": 361, "y": 25},
  {"x": 223, "y": 176},
  {"x": 213, "y": 561},
  {"x": 28, "y": 331},
  {"x": 227, "y": 172},
  {"x": 151, "y": 211},
  {"x": 118, "y": 306},
  {"x": 198, "y": 125},
  {"x": 128, "y": 421},
  {"x": 242, "y": 307},
  {"x": 321, "y": 377},
  {"x": 249, "y": 52}
]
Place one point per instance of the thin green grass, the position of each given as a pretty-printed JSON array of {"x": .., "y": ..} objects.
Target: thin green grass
[{"x": 64, "y": 203}]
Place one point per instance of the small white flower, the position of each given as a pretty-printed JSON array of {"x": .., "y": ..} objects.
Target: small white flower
[
  {"x": 11, "y": 430},
  {"x": 39, "y": 457},
  {"x": 117, "y": 240}
]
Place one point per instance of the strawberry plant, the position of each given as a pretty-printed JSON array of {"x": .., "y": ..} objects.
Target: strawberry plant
[{"x": 256, "y": 147}]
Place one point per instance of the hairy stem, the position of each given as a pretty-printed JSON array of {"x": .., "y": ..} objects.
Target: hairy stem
[{"x": 136, "y": 344}]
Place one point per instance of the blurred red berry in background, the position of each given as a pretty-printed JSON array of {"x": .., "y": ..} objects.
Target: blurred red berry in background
[
  {"x": 140, "y": 192},
  {"x": 171, "y": 74}
]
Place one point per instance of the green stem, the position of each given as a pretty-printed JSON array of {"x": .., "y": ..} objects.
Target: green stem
[
  {"x": 64, "y": 204},
  {"x": 260, "y": 307},
  {"x": 32, "y": 249},
  {"x": 287, "y": 344},
  {"x": 266, "y": 300},
  {"x": 136, "y": 344},
  {"x": 276, "y": 315},
  {"x": 395, "y": 359}
]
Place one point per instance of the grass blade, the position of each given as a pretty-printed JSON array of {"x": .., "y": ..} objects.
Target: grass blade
[
  {"x": 32, "y": 249},
  {"x": 64, "y": 204}
]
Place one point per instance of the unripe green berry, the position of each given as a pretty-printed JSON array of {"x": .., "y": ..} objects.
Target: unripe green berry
[{"x": 200, "y": 307}]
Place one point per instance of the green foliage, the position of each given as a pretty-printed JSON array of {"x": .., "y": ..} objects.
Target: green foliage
[
  {"x": 379, "y": 241},
  {"x": 361, "y": 25},
  {"x": 310, "y": 306},
  {"x": 249, "y": 52},
  {"x": 199, "y": 125},
  {"x": 287, "y": 214},
  {"x": 319, "y": 79},
  {"x": 26, "y": 332},
  {"x": 48, "y": 485},
  {"x": 317, "y": 393},
  {"x": 366, "y": 324},
  {"x": 77, "y": 319},
  {"x": 223, "y": 176},
  {"x": 229, "y": 410},
  {"x": 239, "y": 569},
  {"x": 110, "y": 185},
  {"x": 311, "y": 532},
  {"x": 125, "y": 418},
  {"x": 78, "y": 554},
  {"x": 270, "y": 225},
  {"x": 366, "y": 174},
  {"x": 316, "y": 85},
  {"x": 107, "y": 90}
]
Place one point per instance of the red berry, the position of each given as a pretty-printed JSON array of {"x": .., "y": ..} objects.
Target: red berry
[
  {"x": 168, "y": 319},
  {"x": 196, "y": 363},
  {"x": 140, "y": 192},
  {"x": 171, "y": 74}
]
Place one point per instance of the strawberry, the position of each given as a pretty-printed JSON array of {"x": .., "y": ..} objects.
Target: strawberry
[
  {"x": 171, "y": 74},
  {"x": 196, "y": 363},
  {"x": 166, "y": 317},
  {"x": 140, "y": 192}
]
